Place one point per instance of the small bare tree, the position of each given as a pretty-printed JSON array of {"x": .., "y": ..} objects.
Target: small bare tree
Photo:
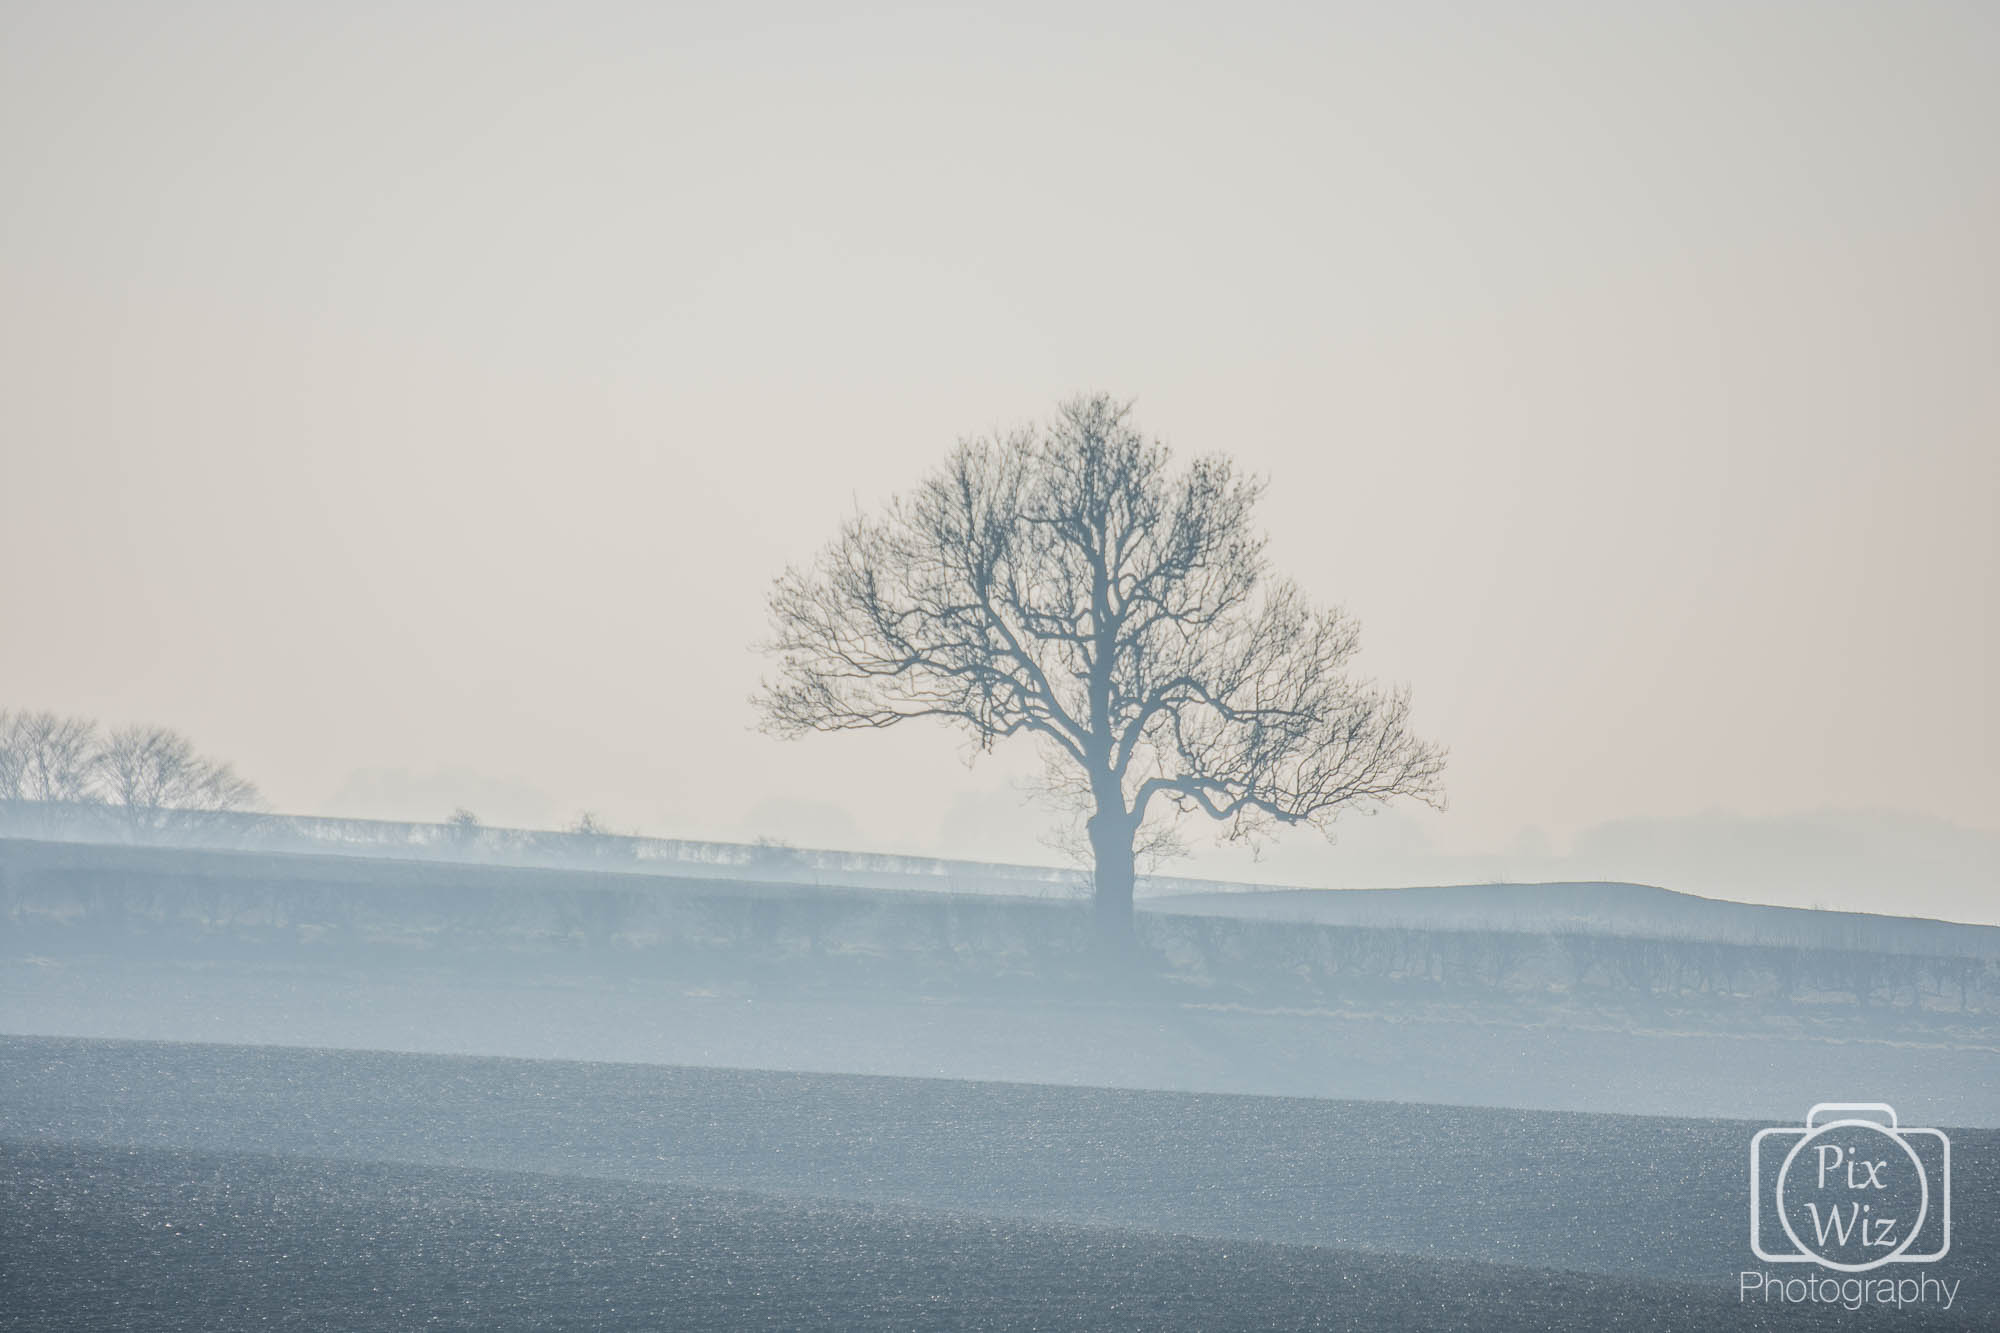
[
  {"x": 47, "y": 757},
  {"x": 1067, "y": 583},
  {"x": 463, "y": 827},
  {"x": 588, "y": 825},
  {"x": 154, "y": 773},
  {"x": 10, "y": 759}
]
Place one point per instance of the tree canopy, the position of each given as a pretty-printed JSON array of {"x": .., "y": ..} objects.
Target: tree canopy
[{"x": 1069, "y": 583}]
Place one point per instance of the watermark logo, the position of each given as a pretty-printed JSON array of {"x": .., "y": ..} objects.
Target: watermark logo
[{"x": 1850, "y": 1190}]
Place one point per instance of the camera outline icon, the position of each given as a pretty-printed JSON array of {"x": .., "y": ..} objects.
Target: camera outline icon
[{"x": 1931, "y": 1194}]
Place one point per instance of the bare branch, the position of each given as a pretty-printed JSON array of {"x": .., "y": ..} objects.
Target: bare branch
[
  {"x": 47, "y": 757},
  {"x": 155, "y": 774},
  {"x": 1068, "y": 583}
]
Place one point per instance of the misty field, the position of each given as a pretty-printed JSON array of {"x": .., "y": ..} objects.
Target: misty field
[
  {"x": 164, "y": 1186},
  {"x": 270, "y": 1091},
  {"x": 1558, "y": 997}
]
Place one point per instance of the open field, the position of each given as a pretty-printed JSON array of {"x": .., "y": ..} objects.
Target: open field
[
  {"x": 317, "y": 950},
  {"x": 1646, "y": 1065},
  {"x": 175, "y": 1242},
  {"x": 166, "y": 1186},
  {"x": 787, "y": 1106}
]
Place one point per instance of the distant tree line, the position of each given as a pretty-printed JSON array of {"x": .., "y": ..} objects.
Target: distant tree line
[{"x": 146, "y": 773}]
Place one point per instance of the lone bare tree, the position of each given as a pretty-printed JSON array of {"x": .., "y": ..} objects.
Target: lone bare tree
[{"x": 1067, "y": 583}]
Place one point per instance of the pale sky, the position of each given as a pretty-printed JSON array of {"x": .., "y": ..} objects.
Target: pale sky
[{"x": 413, "y": 402}]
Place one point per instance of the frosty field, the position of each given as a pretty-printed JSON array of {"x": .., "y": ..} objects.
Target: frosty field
[{"x": 165, "y": 1186}]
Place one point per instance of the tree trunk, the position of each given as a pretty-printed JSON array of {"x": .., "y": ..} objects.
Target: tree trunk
[{"x": 1111, "y": 849}]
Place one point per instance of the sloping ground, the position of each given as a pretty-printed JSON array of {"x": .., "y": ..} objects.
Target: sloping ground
[
  {"x": 61, "y": 898},
  {"x": 196, "y": 945},
  {"x": 34, "y": 875},
  {"x": 177, "y": 1242},
  {"x": 443, "y": 851},
  {"x": 533, "y": 849},
  {"x": 1626, "y": 909},
  {"x": 1523, "y": 1059},
  {"x": 170, "y": 1177}
]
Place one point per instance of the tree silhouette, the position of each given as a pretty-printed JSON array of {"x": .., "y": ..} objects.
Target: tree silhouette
[
  {"x": 47, "y": 757},
  {"x": 1067, "y": 583},
  {"x": 156, "y": 775}
]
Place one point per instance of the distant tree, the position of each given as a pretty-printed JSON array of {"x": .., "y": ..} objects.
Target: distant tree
[
  {"x": 10, "y": 759},
  {"x": 152, "y": 773},
  {"x": 463, "y": 826},
  {"x": 48, "y": 757},
  {"x": 48, "y": 761},
  {"x": 588, "y": 825},
  {"x": 1067, "y": 583}
]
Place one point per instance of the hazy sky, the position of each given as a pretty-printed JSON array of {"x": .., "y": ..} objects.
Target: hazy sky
[{"x": 413, "y": 402}]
